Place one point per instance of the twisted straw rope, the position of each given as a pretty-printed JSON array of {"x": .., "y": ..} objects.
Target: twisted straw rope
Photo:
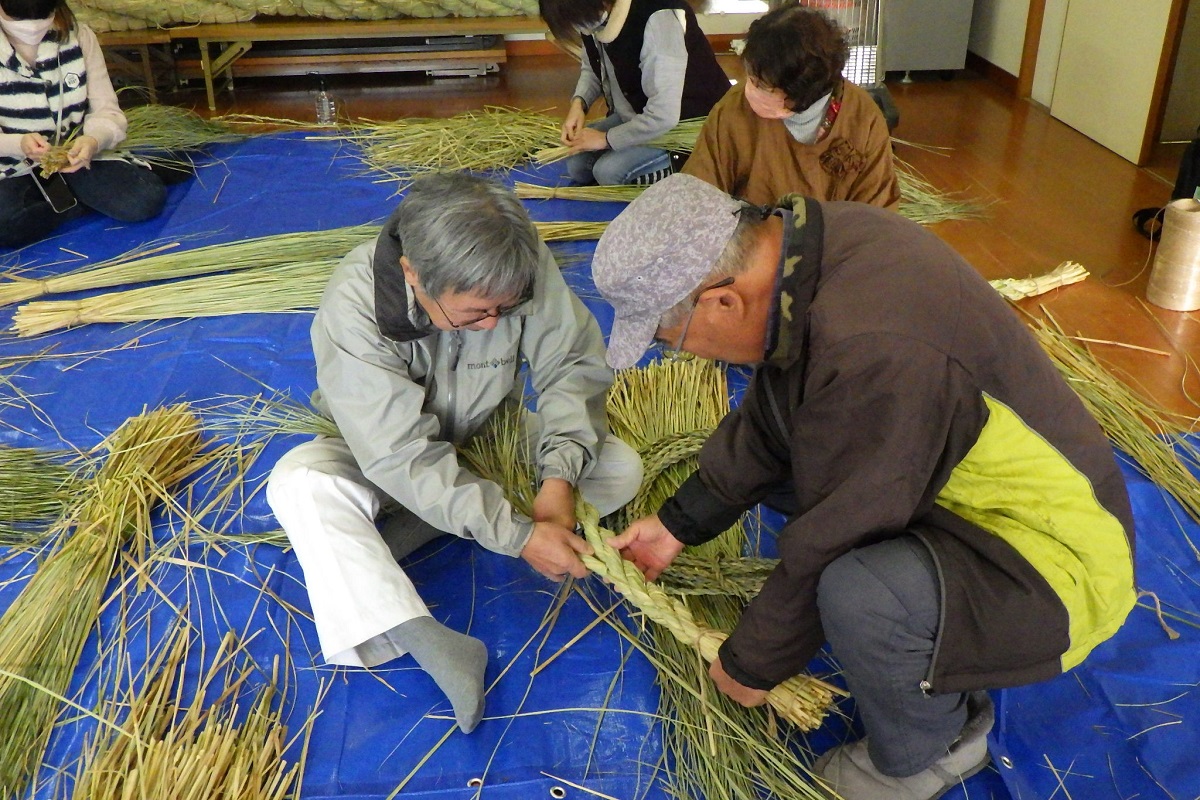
[
  {"x": 801, "y": 700},
  {"x": 114, "y": 15},
  {"x": 661, "y": 454}
]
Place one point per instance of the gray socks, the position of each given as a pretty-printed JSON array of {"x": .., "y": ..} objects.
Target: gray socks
[
  {"x": 454, "y": 660},
  {"x": 403, "y": 532}
]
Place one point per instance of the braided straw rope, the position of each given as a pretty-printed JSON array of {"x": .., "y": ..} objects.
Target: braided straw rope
[
  {"x": 659, "y": 455},
  {"x": 118, "y": 15},
  {"x": 801, "y": 700}
]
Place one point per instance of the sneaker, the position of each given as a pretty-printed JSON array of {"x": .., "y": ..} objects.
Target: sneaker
[{"x": 847, "y": 771}]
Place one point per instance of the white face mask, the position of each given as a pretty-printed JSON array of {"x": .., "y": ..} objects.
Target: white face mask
[{"x": 27, "y": 31}]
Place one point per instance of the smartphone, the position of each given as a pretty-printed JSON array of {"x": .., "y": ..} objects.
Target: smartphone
[{"x": 56, "y": 191}]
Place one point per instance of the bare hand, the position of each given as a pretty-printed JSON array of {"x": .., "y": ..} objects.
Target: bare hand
[
  {"x": 575, "y": 122},
  {"x": 555, "y": 503},
  {"x": 554, "y": 551},
  {"x": 34, "y": 146},
  {"x": 648, "y": 545},
  {"x": 81, "y": 152},
  {"x": 737, "y": 692},
  {"x": 589, "y": 139}
]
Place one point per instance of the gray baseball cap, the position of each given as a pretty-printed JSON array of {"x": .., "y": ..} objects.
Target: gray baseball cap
[{"x": 656, "y": 253}]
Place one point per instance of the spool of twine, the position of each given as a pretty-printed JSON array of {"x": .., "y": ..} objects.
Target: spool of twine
[{"x": 1175, "y": 278}]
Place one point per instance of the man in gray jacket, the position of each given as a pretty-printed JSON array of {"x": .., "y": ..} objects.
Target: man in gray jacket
[{"x": 420, "y": 337}]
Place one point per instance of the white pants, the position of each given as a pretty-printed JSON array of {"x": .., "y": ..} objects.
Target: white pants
[{"x": 357, "y": 590}]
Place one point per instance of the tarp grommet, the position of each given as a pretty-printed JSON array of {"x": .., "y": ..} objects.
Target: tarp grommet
[
  {"x": 475, "y": 783},
  {"x": 558, "y": 792}
]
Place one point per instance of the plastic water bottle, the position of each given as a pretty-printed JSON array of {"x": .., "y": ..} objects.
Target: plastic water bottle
[{"x": 326, "y": 105}]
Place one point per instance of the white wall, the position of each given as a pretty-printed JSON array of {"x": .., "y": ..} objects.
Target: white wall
[
  {"x": 998, "y": 32},
  {"x": 1053, "y": 23},
  {"x": 1183, "y": 100}
]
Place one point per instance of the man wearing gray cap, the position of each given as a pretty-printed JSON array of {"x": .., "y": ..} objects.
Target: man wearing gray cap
[{"x": 956, "y": 521}]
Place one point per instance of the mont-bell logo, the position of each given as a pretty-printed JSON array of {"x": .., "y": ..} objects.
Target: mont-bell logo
[{"x": 494, "y": 363}]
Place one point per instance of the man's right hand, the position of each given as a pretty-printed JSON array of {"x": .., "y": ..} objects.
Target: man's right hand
[
  {"x": 554, "y": 551},
  {"x": 648, "y": 545}
]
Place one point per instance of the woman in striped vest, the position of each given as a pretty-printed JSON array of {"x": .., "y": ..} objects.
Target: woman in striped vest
[{"x": 55, "y": 93}]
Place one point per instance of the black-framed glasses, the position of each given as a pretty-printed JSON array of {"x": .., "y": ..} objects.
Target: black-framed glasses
[
  {"x": 499, "y": 311},
  {"x": 674, "y": 352}
]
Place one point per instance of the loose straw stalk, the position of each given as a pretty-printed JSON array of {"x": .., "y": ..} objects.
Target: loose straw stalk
[{"x": 42, "y": 634}]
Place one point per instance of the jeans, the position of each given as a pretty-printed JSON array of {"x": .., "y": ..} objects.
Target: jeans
[
  {"x": 612, "y": 167},
  {"x": 116, "y": 189}
]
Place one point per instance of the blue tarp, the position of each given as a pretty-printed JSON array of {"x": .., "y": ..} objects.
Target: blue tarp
[{"x": 1120, "y": 726}]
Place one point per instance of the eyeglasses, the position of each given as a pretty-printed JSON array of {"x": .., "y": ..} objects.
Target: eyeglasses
[
  {"x": 677, "y": 350},
  {"x": 499, "y": 311}
]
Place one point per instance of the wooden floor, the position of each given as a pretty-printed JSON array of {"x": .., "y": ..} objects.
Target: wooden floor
[{"x": 1053, "y": 194}]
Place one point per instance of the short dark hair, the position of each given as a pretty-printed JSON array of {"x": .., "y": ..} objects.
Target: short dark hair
[
  {"x": 797, "y": 50},
  {"x": 64, "y": 20},
  {"x": 564, "y": 18}
]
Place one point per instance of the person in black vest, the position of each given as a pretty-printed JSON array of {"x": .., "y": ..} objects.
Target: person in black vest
[
  {"x": 55, "y": 93},
  {"x": 654, "y": 67}
]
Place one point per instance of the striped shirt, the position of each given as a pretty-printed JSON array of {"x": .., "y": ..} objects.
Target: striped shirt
[{"x": 63, "y": 91}]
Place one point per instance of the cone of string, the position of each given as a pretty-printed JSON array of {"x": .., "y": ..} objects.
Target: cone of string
[{"x": 1175, "y": 278}]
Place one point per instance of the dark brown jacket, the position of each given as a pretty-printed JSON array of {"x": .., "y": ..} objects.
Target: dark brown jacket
[{"x": 905, "y": 396}]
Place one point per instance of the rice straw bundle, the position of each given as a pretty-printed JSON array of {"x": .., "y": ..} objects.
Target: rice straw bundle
[
  {"x": 156, "y": 128},
  {"x": 42, "y": 634},
  {"x": 570, "y": 231},
  {"x": 57, "y": 159},
  {"x": 290, "y": 287},
  {"x": 35, "y": 487},
  {"x": 1064, "y": 274},
  {"x": 621, "y": 193},
  {"x": 167, "y": 749},
  {"x": 1144, "y": 432},
  {"x": 162, "y": 262},
  {"x": 920, "y": 201},
  {"x": 254, "y": 289},
  {"x": 494, "y": 138},
  {"x": 680, "y": 139}
]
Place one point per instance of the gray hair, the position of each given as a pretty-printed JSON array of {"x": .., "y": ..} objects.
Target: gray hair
[
  {"x": 463, "y": 233},
  {"x": 733, "y": 261}
]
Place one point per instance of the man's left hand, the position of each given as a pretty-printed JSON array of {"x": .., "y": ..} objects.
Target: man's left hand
[
  {"x": 555, "y": 502},
  {"x": 737, "y": 692},
  {"x": 589, "y": 139},
  {"x": 80, "y": 154}
]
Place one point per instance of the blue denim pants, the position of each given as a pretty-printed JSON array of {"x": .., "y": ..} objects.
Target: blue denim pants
[
  {"x": 612, "y": 167},
  {"x": 116, "y": 189}
]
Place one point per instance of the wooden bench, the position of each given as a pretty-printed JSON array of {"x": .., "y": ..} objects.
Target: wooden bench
[
  {"x": 234, "y": 40},
  {"x": 129, "y": 53}
]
